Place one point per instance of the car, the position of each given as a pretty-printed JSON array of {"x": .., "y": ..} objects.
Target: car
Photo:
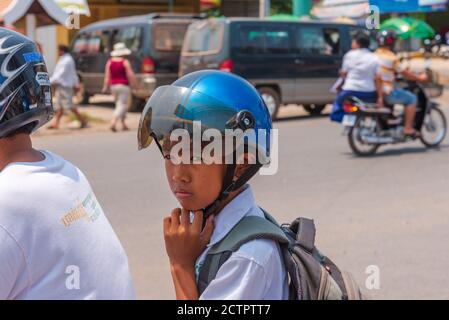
[
  {"x": 155, "y": 41},
  {"x": 289, "y": 62}
]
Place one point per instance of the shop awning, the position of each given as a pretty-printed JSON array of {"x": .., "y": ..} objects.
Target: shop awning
[
  {"x": 209, "y": 4},
  {"x": 406, "y": 6},
  {"x": 74, "y": 6},
  {"x": 46, "y": 11},
  {"x": 332, "y": 9}
]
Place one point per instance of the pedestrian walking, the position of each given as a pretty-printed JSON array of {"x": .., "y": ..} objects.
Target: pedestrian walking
[
  {"x": 65, "y": 80},
  {"x": 120, "y": 79}
]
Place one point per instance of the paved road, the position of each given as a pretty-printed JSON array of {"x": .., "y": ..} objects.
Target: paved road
[{"x": 391, "y": 210}]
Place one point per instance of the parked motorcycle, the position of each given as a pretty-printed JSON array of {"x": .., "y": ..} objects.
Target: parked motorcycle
[{"x": 369, "y": 127}]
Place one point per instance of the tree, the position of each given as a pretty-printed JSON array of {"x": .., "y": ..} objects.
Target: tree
[{"x": 281, "y": 6}]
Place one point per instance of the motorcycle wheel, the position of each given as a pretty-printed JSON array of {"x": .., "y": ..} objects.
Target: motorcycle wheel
[
  {"x": 434, "y": 128},
  {"x": 355, "y": 142}
]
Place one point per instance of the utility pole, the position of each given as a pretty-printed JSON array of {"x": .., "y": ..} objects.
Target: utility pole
[{"x": 264, "y": 8}]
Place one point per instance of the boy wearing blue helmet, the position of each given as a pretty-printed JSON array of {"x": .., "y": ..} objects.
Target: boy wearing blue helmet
[{"x": 214, "y": 196}]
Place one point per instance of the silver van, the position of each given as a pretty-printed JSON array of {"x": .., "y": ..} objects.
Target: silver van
[
  {"x": 154, "y": 39},
  {"x": 289, "y": 62}
]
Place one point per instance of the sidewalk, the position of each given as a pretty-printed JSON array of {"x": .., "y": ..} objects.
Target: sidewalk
[{"x": 99, "y": 114}]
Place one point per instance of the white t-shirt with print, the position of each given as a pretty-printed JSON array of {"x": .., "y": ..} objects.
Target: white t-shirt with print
[{"x": 55, "y": 241}]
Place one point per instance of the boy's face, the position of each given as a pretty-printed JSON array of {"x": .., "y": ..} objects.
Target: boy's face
[
  {"x": 195, "y": 185},
  {"x": 198, "y": 185}
]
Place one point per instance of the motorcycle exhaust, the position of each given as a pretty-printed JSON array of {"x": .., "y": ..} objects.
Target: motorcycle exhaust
[{"x": 377, "y": 140}]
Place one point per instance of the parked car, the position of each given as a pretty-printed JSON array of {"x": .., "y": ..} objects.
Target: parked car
[
  {"x": 154, "y": 39},
  {"x": 287, "y": 61}
]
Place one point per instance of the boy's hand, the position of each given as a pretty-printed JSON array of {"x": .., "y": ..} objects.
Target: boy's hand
[{"x": 185, "y": 241}]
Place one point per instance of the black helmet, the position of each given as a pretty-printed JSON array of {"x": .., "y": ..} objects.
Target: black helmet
[
  {"x": 25, "y": 94},
  {"x": 387, "y": 38}
]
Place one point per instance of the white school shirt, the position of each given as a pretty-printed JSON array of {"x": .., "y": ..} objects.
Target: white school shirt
[
  {"x": 362, "y": 67},
  {"x": 55, "y": 240},
  {"x": 65, "y": 72},
  {"x": 256, "y": 270}
]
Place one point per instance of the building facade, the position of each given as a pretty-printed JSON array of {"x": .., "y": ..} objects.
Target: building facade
[{"x": 240, "y": 8}]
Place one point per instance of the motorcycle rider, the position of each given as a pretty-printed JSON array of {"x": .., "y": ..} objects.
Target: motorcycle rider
[
  {"x": 360, "y": 72},
  {"x": 390, "y": 66}
]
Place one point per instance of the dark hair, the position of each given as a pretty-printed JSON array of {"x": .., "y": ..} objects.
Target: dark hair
[
  {"x": 63, "y": 48},
  {"x": 362, "y": 39}
]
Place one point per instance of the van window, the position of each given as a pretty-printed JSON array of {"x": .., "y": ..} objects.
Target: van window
[
  {"x": 277, "y": 40},
  {"x": 251, "y": 40},
  {"x": 92, "y": 42},
  {"x": 315, "y": 40},
  {"x": 80, "y": 45},
  {"x": 169, "y": 37},
  {"x": 130, "y": 36},
  {"x": 272, "y": 39},
  {"x": 204, "y": 36}
]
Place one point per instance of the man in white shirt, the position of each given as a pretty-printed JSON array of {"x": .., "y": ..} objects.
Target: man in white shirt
[
  {"x": 65, "y": 80},
  {"x": 360, "y": 70},
  {"x": 55, "y": 240},
  {"x": 360, "y": 73}
]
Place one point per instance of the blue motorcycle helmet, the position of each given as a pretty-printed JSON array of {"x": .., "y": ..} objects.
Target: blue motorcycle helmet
[{"x": 218, "y": 100}]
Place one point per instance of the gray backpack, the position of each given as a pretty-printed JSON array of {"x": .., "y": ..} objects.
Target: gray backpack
[{"x": 312, "y": 276}]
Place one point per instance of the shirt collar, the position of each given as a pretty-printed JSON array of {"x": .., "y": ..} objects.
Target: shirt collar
[{"x": 231, "y": 214}]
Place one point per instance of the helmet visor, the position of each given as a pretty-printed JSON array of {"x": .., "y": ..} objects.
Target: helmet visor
[{"x": 172, "y": 107}]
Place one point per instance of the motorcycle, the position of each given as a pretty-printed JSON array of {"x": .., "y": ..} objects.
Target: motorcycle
[{"x": 368, "y": 127}]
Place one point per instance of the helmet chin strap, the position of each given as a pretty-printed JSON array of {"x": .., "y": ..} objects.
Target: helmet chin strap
[
  {"x": 229, "y": 185},
  {"x": 226, "y": 188},
  {"x": 243, "y": 120}
]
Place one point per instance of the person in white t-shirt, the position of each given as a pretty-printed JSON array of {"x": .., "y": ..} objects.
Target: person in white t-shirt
[
  {"x": 360, "y": 73},
  {"x": 55, "y": 240}
]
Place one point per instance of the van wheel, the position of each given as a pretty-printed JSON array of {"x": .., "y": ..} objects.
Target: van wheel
[
  {"x": 271, "y": 99},
  {"x": 314, "y": 109},
  {"x": 137, "y": 105}
]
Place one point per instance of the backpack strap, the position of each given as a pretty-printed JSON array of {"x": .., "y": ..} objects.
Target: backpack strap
[
  {"x": 305, "y": 233},
  {"x": 303, "y": 228},
  {"x": 248, "y": 229}
]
